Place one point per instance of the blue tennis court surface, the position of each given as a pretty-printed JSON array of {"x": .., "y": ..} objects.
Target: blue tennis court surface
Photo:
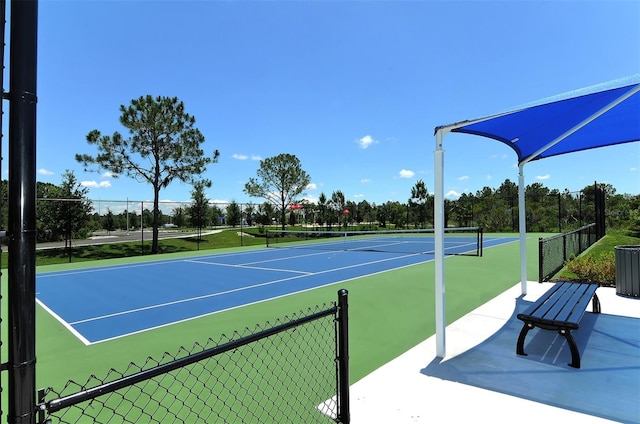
[{"x": 104, "y": 303}]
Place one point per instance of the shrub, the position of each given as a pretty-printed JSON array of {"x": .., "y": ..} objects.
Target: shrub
[
  {"x": 601, "y": 269},
  {"x": 634, "y": 223}
]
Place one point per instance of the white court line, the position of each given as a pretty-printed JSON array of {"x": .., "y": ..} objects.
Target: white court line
[
  {"x": 105, "y": 268},
  {"x": 306, "y": 255},
  {"x": 258, "y": 301},
  {"x": 64, "y": 323},
  {"x": 293, "y": 271},
  {"x": 141, "y": 264},
  {"x": 248, "y": 265},
  {"x": 87, "y": 342},
  {"x": 176, "y": 302}
]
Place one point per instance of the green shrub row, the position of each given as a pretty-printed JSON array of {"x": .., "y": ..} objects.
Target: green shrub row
[{"x": 601, "y": 269}]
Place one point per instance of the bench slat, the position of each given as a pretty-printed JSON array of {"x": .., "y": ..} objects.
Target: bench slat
[
  {"x": 571, "y": 307},
  {"x": 554, "y": 305}
]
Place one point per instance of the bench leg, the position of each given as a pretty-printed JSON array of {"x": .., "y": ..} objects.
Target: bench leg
[
  {"x": 523, "y": 334},
  {"x": 575, "y": 353},
  {"x": 595, "y": 304}
]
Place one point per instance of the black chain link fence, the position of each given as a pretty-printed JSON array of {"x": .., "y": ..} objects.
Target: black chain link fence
[
  {"x": 292, "y": 371},
  {"x": 555, "y": 251}
]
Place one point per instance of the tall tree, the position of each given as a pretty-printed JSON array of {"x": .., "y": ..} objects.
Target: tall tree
[
  {"x": 507, "y": 195},
  {"x": 216, "y": 215},
  {"x": 265, "y": 213},
  {"x": 163, "y": 145},
  {"x": 249, "y": 212},
  {"x": 64, "y": 211},
  {"x": 337, "y": 200},
  {"x": 322, "y": 209},
  {"x": 418, "y": 202},
  {"x": 178, "y": 216},
  {"x": 280, "y": 180},
  {"x": 234, "y": 214},
  {"x": 199, "y": 205},
  {"x": 109, "y": 221}
]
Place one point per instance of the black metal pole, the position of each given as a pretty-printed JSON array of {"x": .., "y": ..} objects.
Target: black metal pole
[
  {"x": 142, "y": 228},
  {"x": 559, "y": 213},
  {"x": 580, "y": 208},
  {"x": 3, "y": 21},
  {"x": 344, "y": 414},
  {"x": 540, "y": 262},
  {"x": 22, "y": 210}
]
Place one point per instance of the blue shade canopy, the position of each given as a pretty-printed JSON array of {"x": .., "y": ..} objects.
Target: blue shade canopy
[{"x": 599, "y": 116}]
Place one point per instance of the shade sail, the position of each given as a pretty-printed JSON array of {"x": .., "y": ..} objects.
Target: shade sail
[
  {"x": 598, "y": 116},
  {"x": 569, "y": 123}
]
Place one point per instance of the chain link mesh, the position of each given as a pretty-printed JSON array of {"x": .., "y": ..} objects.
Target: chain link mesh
[
  {"x": 555, "y": 251},
  {"x": 284, "y": 377}
]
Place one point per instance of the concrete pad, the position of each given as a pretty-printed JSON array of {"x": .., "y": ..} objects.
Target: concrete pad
[{"x": 399, "y": 393}]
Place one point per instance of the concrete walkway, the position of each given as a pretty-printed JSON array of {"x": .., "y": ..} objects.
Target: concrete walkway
[{"x": 399, "y": 393}]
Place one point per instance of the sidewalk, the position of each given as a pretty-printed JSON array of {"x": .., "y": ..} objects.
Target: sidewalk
[{"x": 399, "y": 392}]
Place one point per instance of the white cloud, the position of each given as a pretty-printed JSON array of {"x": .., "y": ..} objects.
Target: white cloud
[
  {"x": 489, "y": 177},
  {"x": 405, "y": 173},
  {"x": 108, "y": 174},
  {"x": 357, "y": 196},
  {"x": 366, "y": 141},
  {"x": 256, "y": 157},
  {"x": 46, "y": 172},
  {"x": 365, "y": 180},
  {"x": 239, "y": 157},
  {"x": 311, "y": 199},
  {"x": 464, "y": 177},
  {"x": 95, "y": 184},
  {"x": 633, "y": 169},
  {"x": 543, "y": 177},
  {"x": 311, "y": 186},
  {"x": 452, "y": 194}
]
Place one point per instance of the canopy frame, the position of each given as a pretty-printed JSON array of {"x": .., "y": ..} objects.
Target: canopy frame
[{"x": 440, "y": 133}]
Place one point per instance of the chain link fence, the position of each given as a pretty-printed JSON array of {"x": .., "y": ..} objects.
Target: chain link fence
[
  {"x": 294, "y": 370},
  {"x": 555, "y": 251}
]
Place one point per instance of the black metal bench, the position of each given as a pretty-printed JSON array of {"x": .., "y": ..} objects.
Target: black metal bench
[{"x": 561, "y": 308}]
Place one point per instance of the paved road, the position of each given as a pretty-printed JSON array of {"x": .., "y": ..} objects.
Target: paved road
[{"x": 123, "y": 236}]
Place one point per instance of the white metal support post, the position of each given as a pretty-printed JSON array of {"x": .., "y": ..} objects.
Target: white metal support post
[
  {"x": 522, "y": 223},
  {"x": 438, "y": 211}
]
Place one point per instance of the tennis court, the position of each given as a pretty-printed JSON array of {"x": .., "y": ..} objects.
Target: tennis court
[{"x": 104, "y": 303}]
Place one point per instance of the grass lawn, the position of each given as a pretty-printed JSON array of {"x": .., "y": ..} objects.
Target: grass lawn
[{"x": 603, "y": 250}]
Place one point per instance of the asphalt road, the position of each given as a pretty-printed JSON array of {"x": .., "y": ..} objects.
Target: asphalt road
[{"x": 104, "y": 237}]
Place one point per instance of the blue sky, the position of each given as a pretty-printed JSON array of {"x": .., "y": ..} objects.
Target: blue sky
[{"x": 354, "y": 89}]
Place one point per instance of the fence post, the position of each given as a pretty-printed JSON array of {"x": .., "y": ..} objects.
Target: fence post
[
  {"x": 540, "y": 261},
  {"x": 22, "y": 212},
  {"x": 343, "y": 415}
]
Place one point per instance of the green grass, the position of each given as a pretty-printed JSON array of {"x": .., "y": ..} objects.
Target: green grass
[
  {"x": 390, "y": 312},
  {"x": 224, "y": 239},
  {"x": 603, "y": 249},
  {"x": 607, "y": 244}
]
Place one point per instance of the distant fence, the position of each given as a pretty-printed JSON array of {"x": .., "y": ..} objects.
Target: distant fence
[
  {"x": 294, "y": 371},
  {"x": 553, "y": 252}
]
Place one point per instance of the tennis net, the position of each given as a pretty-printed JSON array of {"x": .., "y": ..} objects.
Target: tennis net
[{"x": 457, "y": 241}]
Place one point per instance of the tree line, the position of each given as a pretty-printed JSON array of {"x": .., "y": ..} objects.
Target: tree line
[
  {"x": 164, "y": 145},
  {"x": 64, "y": 212}
]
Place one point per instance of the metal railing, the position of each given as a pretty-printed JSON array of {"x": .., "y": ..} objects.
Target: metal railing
[
  {"x": 555, "y": 251},
  {"x": 293, "y": 371}
]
